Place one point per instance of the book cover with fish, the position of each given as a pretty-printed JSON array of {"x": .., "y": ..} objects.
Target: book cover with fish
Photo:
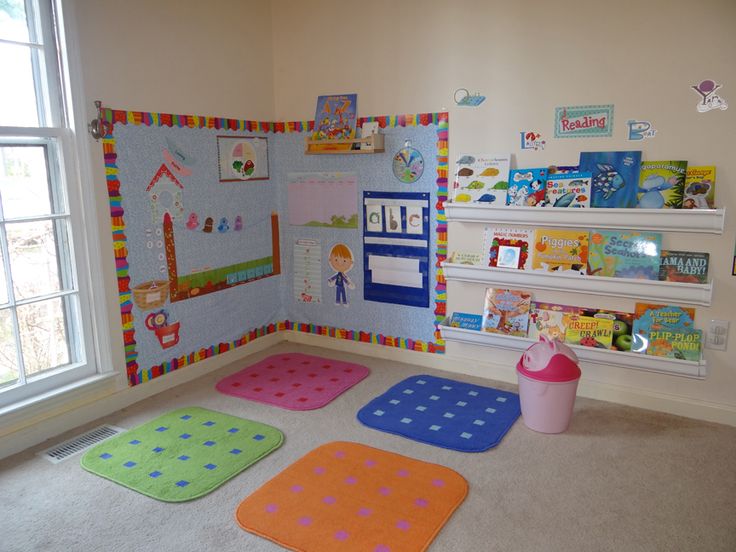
[
  {"x": 557, "y": 250},
  {"x": 568, "y": 190},
  {"x": 684, "y": 266},
  {"x": 624, "y": 254},
  {"x": 700, "y": 188},
  {"x": 666, "y": 330},
  {"x": 335, "y": 119},
  {"x": 589, "y": 331},
  {"x": 481, "y": 178},
  {"x": 506, "y": 311},
  {"x": 527, "y": 187},
  {"x": 509, "y": 247},
  {"x": 661, "y": 184},
  {"x": 550, "y": 320},
  {"x": 615, "y": 180}
]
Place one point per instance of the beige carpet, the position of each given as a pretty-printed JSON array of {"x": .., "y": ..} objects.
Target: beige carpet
[{"x": 619, "y": 479}]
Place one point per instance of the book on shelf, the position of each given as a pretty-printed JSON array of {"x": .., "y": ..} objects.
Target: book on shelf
[
  {"x": 622, "y": 326},
  {"x": 506, "y": 311},
  {"x": 624, "y": 254},
  {"x": 558, "y": 250},
  {"x": 684, "y": 266},
  {"x": 615, "y": 180},
  {"x": 562, "y": 169},
  {"x": 661, "y": 184},
  {"x": 666, "y": 331},
  {"x": 589, "y": 331},
  {"x": 550, "y": 320},
  {"x": 466, "y": 321},
  {"x": 466, "y": 258},
  {"x": 481, "y": 178},
  {"x": 700, "y": 188},
  {"x": 527, "y": 187},
  {"x": 335, "y": 119},
  {"x": 509, "y": 247},
  {"x": 568, "y": 190}
]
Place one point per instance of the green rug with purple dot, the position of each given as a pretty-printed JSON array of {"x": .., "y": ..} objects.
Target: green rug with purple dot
[{"x": 183, "y": 454}]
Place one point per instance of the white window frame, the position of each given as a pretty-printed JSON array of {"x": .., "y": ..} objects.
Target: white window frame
[{"x": 68, "y": 129}]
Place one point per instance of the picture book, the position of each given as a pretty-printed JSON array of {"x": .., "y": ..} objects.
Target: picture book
[
  {"x": 466, "y": 321},
  {"x": 666, "y": 330},
  {"x": 700, "y": 188},
  {"x": 589, "y": 331},
  {"x": 661, "y": 184},
  {"x": 562, "y": 169},
  {"x": 481, "y": 178},
  {"x": 509, "y": 247},
  {"x": 550, "y": 320},
  {"x": 335, "y": 119},
  {"x": 568, "y": 190},
  {"x": 558, "y": 250},
  {"x": 526, "y": 187},
  {"x": 622, "y": 326},
  {"x": 466, "y": 258},
  {"x": 684, "y": 266},
  {"x": 624, "y": 254},
  {"x": 615, "y": 177},
  {"x": 506, "y": 311}
]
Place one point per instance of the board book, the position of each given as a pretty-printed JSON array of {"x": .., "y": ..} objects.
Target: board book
[
  {"x": 335, "y": 119},
  {"x": 568, "y": 190},
  {"x": 527, "y": 187},
  {"x": 661, "y": 184},
  {"x": 466, "y": 258},
  {"x": 622, "y": 326},
  {"x": 550, "y": 320},
  {"x": 684, "y": 266},
  {"x": 700, "y": 188},
  {"x": 589, "y": 331},
  {"x": 624, "y": 254},
  {"x": 666, "y": 330},
  {"x": 481, "y": 178},
  {"x": 509, "y": 247},
  {"x": 466, "y": 321},
  {"x": 615, "y": 177},
  {"x": 506, "y": 311},
  {"x": 558, "y": 250}
]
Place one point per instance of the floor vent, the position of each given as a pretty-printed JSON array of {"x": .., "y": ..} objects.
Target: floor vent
[{"x": 77, "y": 444}]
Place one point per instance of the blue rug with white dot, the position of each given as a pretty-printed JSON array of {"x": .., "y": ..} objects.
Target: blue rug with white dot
[{"x": 444, "y": 412}]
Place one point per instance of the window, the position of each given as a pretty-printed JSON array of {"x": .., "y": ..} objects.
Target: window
[{"x": 45, "y": 310}]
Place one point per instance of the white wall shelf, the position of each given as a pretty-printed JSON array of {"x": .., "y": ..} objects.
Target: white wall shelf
[
  {"x": 651, "y": 291},
  {"x": 706, "y": 221},
  {"x": 606, "y": 357}
]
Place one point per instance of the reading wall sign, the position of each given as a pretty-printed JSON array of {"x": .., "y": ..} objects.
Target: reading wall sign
[{"x": 583, "y": 121}]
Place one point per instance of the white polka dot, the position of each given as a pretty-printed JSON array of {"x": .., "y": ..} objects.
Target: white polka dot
[
  {"x": 434, "y": 398},
  {"x": 435, "y": 427},
  {"x": 394, "y": 401},
  {"x": 501, "y": 399},
  {"x": 491, "y": 410},
  {"x": 421, "y": 408},
  {"x": 461, "y": 403},
  {"x": 378, "y": 412},
  {"x": 479, "y": 422},
  {"x": 466, "y": 435},
  {"x": 406, "y": 420},
  {"x": 448, "y": 415},
  {"x": 408, "y": 391}
]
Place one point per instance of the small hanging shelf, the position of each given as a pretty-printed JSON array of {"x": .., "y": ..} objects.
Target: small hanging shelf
[{"x": 373, "y": 143}]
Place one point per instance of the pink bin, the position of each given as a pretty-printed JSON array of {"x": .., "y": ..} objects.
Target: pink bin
[{"x": 548, "y": 380}]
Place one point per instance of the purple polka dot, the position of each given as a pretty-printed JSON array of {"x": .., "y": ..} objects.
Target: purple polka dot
[
  {"x": 385, "y": 491},
  {"x": 340, "y": 454},
  {"x": 381, "y": 548},
  {"x": 341, "y": 535},
  {"x": 421, "y": 502},
  {"x": 403, "y": 473},
  {"x": 319, "y": 470},
  {"x": 438, "y": 482},
  {"x": 304, "y": 520},
  {"x": 297, "y": 489},
  {"x": 351, "y": 480},
  {"x": 402, "y": 524},
  {"x": 370, "y": 463},
  {"x": 329, "y": 500},
  {"x": 271, "y": 508},
  {"x": 365, "y": 512}
]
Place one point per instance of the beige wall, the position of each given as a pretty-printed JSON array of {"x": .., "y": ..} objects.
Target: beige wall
[{"x": 528, "y": 57}]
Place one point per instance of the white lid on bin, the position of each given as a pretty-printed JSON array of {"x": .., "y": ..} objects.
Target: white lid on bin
[{"x": 549, "y": 360}]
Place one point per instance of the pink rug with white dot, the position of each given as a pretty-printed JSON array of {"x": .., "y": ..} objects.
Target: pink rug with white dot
[
  {"x": 294, "y": 381},
  {"x": 348, "y": 496}
]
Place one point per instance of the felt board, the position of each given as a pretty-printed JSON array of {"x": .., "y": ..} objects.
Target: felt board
[{"x": 205, "y": 252}]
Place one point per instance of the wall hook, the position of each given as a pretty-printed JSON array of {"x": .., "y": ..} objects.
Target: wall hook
[{"x": 99, "y": 127}]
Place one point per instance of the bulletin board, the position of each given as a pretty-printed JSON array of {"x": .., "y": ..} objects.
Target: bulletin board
[{"x": 225, "y": 231}]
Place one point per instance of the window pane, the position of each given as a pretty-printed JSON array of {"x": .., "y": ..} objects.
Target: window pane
[
  {"x": 8, "y": 356},
  {"x": 43, "y": 335},
  {"x": 24, "y": 185},
  {"x": 3, "y": 283},
  {"x": 17, "y": 94},
  {"x": 34, "y": 258},
  {"x": 13, "y": 19}
]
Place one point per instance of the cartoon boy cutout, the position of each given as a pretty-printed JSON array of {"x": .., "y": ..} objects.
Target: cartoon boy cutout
[{"x": 341, "y": 261}]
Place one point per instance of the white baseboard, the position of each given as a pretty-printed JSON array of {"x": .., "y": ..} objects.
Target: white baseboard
[{"x": 646, "y": 399}]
